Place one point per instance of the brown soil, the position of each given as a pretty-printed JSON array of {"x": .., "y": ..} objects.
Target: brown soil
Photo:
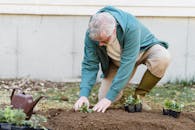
[{"x": 117, "y": 119}]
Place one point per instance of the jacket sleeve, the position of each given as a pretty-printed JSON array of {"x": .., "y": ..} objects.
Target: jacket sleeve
[
  {"x": 90, "y": 67},
  {"x": 129, "y": 55}
]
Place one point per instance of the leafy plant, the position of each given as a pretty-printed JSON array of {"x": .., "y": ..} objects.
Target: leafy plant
[
  {"x": 13, "y": 116},
  {"x": 2, "y": 117},
  {"x": 167, "y": 104},
  {"x": 36, "y": 122},
  {"x": 17, "y": 117},
  {"x": 84, "y": 108},
  {"x": 173, "y": 105},
  {"x": 131, "y": 100},
  {"x": 137, "y": 101}
]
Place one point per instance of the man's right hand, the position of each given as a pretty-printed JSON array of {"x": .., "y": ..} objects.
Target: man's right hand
[{"x": 81, "y": 101}]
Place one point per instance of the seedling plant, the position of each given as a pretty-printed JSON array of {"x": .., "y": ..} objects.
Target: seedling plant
[
  {"x": 133, "y": 105},
  {"x": 85, "y": 109},
  {"x": 16, "y": 119},
  {"x": 172, "y": 108}
]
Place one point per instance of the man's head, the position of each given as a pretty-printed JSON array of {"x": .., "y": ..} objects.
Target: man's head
[{"x": 102, "y": 28}]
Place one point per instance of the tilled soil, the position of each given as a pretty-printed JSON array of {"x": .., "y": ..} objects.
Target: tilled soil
[{"x": 118, "y": 119}]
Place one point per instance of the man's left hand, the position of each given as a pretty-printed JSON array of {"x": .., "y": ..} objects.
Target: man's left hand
[{"x": 102, "y": 105}]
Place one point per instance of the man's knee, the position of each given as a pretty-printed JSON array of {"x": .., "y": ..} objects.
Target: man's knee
[
  {"x": 159, "y": 65},
  {"x": 165, "y": 60}
]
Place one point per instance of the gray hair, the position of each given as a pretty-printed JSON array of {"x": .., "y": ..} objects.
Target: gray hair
[{"x": 101, "y": 22}]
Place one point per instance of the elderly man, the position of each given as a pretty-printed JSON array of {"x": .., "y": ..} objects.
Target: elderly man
[{"x": 119, "y": 42}]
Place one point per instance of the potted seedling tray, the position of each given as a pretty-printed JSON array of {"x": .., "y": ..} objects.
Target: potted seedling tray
[
  {"x": 132, "y": 105},
  {"x": 172, "y": 108},
  {"x": 15, "y": 119}
]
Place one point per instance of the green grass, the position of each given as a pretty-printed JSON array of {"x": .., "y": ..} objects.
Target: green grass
[
  {"x": 180, "y": 93},
  {"x": 66, "y": 95}
]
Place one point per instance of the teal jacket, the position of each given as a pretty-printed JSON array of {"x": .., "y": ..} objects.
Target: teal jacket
[{"x": 133, "y": 37}]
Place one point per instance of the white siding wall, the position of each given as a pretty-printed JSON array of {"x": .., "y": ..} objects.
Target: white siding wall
[{"x": 49, "y": 45}]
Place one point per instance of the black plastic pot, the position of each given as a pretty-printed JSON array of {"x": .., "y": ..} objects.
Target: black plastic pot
[
  {"x": 166, "y": 111},
  {"x": 131, "y": 108},
  {"x": 138, "y": 107},
  {"x": 13, "y": 127},
  {"x": 40, "y": 129},
  {"x": 126, "y": 108},
  {"x": 171, "y": 113},
  {"x": 5, "y": 126},
  {"x": 175, "y": 114}
]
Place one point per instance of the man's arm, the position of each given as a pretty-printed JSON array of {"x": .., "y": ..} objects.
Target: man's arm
[
  {"x": 90, "y": 67},
  {"x": 128, "y": 60}
]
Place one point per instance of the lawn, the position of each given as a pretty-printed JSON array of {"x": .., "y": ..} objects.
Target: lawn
[{"x": 60, "y": 96}]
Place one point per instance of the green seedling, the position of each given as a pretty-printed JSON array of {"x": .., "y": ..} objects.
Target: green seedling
[
  {"x": 18, "y": 117},
  {"x": 173, "y": 105},
  {"x": 36, "y": 122},
  {"x": 167, "y": 104},
  {"x": 2, "y": 117},
  {"x": 129, "y": 100},
  {"x": 13, "y": 116},
  {"x": 132, "y": 101},
  {"x": 138, "y": 101},
  {"x": 84, "y": 108}
]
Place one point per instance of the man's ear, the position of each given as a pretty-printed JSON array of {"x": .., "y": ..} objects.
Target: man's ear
[{"x": 114, "y": 32}]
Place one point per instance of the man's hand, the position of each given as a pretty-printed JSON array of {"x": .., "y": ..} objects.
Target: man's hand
[
  {"x": 102, "y": 105},
  {"x": 81, "y": 101}
]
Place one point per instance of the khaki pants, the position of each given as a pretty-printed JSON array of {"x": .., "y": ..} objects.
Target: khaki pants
[{"x": 156, "y": 59}]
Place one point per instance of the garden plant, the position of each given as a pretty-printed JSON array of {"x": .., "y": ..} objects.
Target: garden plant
[
  {"x": 85, "y": 109},
  {"x": 15, "y": 119},
  {"x": 172, "y": 108},
  {"x": 132, "y": 105}
]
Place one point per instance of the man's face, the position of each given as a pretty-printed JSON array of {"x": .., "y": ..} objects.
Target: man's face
[{"x": 103, "y": 39}]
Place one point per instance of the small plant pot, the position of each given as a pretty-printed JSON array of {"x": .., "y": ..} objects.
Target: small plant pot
[
  {"x": 39, "y": 129},
  {"x": 13, "y": 127},
  {"x": 166, "y": 111},
  {"x": 131, "y": 108},
  {"x": 5, "y": 126},
  {"x": 126, "y": 108},
  {"x": 138, "y": 107},
  {"x": 175, "y": 114}
]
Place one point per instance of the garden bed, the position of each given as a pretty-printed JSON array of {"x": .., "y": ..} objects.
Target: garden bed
[{"x": 118, "y": 119}]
